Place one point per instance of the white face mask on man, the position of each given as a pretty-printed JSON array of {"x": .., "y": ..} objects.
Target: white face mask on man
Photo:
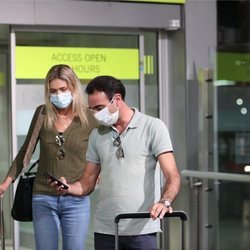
[{"x": 106, "y": 118}]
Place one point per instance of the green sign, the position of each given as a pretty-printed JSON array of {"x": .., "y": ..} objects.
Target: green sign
[
  {"x": 233, "y": 66},
  {"x": 34, "y": 62}
]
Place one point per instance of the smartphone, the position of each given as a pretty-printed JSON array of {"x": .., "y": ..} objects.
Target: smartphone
[{"x": 59, "y": 183}]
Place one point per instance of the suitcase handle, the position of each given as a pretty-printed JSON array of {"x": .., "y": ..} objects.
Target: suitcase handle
[
  {"x": 181, "y": 214},
  {"x": 2, "y": 223}
]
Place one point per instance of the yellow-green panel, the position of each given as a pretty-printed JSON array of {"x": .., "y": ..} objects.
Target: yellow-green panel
[
  {"x": 233, "y": 66},
  {"x": 34, "y": 62},
  {"x": 2, "y": 81},
  {"x": 158, "y": 1}
]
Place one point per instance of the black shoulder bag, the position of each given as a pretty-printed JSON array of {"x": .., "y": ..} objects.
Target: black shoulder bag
[{"x": 22, "y": 205}]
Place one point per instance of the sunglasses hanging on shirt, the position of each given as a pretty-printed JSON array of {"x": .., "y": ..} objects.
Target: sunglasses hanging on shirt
[
  {"x": 60, "y": 140},
  {"x": 117, "y": 143}
]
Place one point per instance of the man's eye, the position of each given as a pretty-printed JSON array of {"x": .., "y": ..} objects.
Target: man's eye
[{"x": 97, "y": 109}]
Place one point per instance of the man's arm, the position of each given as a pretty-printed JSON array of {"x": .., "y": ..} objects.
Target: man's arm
[
  {"x": 171, "y": 187},
  {"x": 171, "y": 174},
  {"x": 85, "y": 185},
  {"x": 87, "y": 182}
]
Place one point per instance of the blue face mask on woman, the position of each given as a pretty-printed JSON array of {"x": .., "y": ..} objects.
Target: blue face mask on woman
[{"x": 61, "y": 100}]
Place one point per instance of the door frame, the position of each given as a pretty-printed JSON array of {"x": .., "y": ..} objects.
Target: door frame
[{"x": 163, "y": 82}]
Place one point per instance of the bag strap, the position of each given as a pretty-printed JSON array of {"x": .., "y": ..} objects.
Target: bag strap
[
  {"x": 33, "y": 138},
  {"x": 31, "y": 167}
]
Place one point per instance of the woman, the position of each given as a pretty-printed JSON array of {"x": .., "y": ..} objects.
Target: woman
[{"x": 63, "y": 143}]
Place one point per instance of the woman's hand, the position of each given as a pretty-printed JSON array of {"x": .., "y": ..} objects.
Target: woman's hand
[
  {"x": 60, "y": 185},
  {"x": 5, "y": 185}
]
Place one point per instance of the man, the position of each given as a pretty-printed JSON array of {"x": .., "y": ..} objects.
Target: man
[{"x": 124, "y": 151}]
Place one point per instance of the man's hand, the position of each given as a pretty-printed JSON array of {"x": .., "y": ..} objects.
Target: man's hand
[{"x": 158, "y": 210}]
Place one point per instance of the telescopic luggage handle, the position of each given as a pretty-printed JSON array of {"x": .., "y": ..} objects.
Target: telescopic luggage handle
[
  {"x": 2, "y": 223},
  {"x": 181, "y": 214}
]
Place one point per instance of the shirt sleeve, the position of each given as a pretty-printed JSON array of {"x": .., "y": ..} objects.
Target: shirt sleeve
[
  {"x": 92, "y": 154},
  {"x": 160, "y": 138}
]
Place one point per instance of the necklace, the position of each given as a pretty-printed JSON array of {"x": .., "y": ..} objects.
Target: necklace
[
  {"x": 63, "y": 117},
  {"x": 64, "y": 120}
]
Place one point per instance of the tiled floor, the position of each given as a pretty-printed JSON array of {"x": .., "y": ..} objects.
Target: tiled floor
[{"x": 10, "y": 247}]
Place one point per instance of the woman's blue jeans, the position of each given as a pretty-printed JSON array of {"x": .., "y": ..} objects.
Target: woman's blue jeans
[{"x": 54, "y": 214}]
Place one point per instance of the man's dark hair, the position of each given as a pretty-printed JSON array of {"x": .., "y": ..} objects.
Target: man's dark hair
[{"x": 107, "y": 84}]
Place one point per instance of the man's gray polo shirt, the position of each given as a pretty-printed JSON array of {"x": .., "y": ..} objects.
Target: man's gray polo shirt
[{"x": 128, "y": 184}]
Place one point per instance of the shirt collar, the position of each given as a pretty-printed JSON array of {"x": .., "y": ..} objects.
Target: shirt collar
[{"x": 134, "y": 123}]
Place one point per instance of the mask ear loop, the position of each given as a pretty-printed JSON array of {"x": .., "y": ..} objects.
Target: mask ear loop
[
  {"x": 114, "y": 99},
  {"x": 111, "y": 102}
]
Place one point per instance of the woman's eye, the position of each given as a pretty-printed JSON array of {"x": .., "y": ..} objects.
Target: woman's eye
[{"x": 58, "y": 91}]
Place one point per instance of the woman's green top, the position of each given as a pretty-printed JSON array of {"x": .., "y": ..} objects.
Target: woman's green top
[{"x": 74, "y": 146}]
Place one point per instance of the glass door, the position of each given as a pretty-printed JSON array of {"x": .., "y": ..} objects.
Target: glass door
[
  {"x": 232, "y": 93},
  {"x": 220, "y": 201},
  {"x": 129, "y": 56}
]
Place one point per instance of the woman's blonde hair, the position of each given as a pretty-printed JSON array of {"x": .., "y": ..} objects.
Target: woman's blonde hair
[{"x": 64, "y": 72}]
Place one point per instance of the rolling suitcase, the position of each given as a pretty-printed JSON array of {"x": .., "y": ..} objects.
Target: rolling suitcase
[
  {"x": 181, "y": 214},
  {"x": 2, "y": 224}
]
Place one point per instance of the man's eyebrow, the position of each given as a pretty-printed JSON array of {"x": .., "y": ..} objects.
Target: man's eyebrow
[{"x": 97, "y": 106}]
